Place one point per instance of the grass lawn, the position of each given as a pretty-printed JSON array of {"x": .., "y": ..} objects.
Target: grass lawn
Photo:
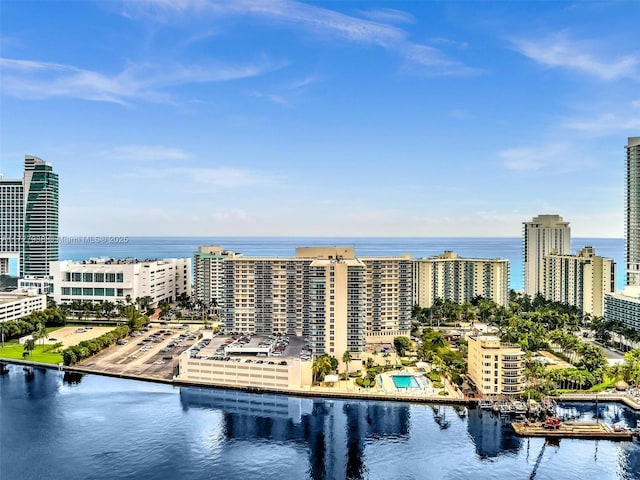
[{"x": 42, "y": 353}]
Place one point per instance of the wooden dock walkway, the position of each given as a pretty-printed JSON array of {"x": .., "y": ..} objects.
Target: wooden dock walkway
[{"x": 581, "y": 430}]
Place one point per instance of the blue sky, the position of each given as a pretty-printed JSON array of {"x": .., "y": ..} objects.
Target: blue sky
[{"x": 196, "y": 117}]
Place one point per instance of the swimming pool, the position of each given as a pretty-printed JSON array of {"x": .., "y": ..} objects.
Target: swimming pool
[{"x": 405, "y": 381}]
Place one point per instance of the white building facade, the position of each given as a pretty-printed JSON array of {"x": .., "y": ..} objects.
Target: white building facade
[
  {"x": 450, "y": 277},
  {"x": 543, "y": 235},
  {"x": 121, "y": 279},
  {"x": 580, "y": 280},
  {"x": 14, "y": 305}
]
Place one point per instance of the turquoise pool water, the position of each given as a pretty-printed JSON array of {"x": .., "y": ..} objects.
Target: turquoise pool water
[{"x": 405, "y": 381}]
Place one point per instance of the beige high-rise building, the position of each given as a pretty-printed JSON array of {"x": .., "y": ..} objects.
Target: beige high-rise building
[
  {"x": 208, "y": 270},
  {"x": 450, "y": 277},
  {"x": 326, "y": 294},
  {"x": 389, "y": 297},
  {"x": 496, "y": 368},
  {"x": 543, "y": 235},
  {"x": 581, "y": 280}
]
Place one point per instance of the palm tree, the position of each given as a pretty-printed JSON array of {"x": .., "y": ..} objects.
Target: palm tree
[
  {"x": 346, "y": 359},
  {"x": 321, "y": 366},
  {"x": 29, "y": 345}
]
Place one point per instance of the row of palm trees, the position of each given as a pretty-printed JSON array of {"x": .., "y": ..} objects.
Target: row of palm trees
[
  {"x": 104, "y": 309},
  {"x": 325, "y": 364},
  {"x": 551, "y": 314}
]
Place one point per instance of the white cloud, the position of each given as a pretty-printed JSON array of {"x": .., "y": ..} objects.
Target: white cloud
[
  {"x": 522, "y": 159},
  {"x": 320, "y": 20},
  {"x": 605, "y": 123},
  {"x": 31, "y": 79},
  {"x": 145, "y": 153},
  {"x": 272, "y": 97},
  {"x": 388, "y": 15},
  {"x": 560, "y": 51}
]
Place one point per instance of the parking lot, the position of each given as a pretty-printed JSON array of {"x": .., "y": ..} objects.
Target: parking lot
[
  {"x": 153, "y": 352},
  {"x": 70, "y": 336}
]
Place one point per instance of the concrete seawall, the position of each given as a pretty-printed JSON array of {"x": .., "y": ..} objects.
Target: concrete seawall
[{"x": 305, "y": 393}]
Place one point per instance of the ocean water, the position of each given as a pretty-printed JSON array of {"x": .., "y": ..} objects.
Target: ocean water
[
  {"x": 102, "y": 428},
  {"x": 500, "y": 247}
]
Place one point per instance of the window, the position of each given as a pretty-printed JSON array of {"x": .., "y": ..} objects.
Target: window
[
  {"x": 120, "y": 277},
  {"x": 76, "y": 277},
  {"x": 98, "y": 277},
  {"x": 65, "y": 291},
  {"x": 109, "y": 292},
  {"x": 87, "y": 292},
  {"x": 87, "y": 277},
  {"x": 110, "y": 277},
  {"x": 76, "y": 291},
  {"x": 98, "y": 292}
]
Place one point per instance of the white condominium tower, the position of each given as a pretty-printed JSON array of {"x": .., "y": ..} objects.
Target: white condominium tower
[
  {"x": 29, "y": 219},
  {"x": 633, "y": 212},
  {"x": 581, "y": 280},
  {"x": 543, "y": 235},
  {"x": 450, "y": 277}
]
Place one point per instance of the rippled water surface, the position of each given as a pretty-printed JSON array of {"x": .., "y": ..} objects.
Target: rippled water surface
[{"x": 104, "y": 428}]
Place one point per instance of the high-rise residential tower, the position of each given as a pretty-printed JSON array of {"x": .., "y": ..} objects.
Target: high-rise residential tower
[
  {"x": 450, "y": 277},
  {"x": 581, "y": 280},
  {"x": 624, "y": 307},
  {"x": 29, "y": 219},
  {"x": 543, "y": 235},
  {"x": 632, "y": 218}
]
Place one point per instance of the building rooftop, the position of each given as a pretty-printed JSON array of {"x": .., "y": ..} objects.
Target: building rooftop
[
  {"x": 120, "y": 261},
  {"x": 8, "y": 297}
]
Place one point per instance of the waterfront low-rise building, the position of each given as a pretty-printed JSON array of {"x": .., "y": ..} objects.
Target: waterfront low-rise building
[
  {"x": 114, "y": 280},
  {"x": 283, "y": 374},
  {"x": 495, "y": 368},
  {"x": 15, "y": 305},
  {"x": 450, "y": 277}
]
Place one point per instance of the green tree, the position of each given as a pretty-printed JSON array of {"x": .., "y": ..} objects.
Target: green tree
[
  {"x": 321, "y": 366},
  {"x": 401, "y": 344},
  {"x": 29, "y": 345},
  {"x": 346, "y": 359}
]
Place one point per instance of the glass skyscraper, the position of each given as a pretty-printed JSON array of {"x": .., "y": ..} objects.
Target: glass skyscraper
[
  {"x": 633, "y": 212},
  {"x": 29, "y": 219}
]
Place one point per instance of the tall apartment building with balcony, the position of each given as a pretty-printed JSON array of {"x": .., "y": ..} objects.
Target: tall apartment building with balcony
[
  {"x": 208, "y": 272},
  {"x": 495, "y": 368},
  {"x": 29, "y": 219},
  {"x": 450, "y": 277},
  {"x": 326, "y": 294},
  {"x": 632, "y": 217},
  {"x": 624, "y": 306},
  {"x": 389, "y": 296},
  {"x": 543, "y": 235},
  {"x": 581, "y": 280}
]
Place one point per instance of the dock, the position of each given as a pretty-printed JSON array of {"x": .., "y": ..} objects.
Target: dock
[{"x": 579, "y": 430}]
